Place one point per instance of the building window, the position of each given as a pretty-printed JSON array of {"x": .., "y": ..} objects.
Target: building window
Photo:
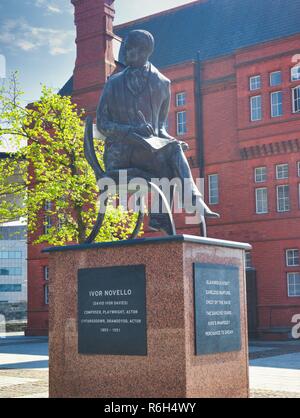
[
  {"x": 275, "y": 78},
  {"x": 181, "y": 99},
  {"x": 46, "y": 272},
  {"x": 10, "y": 271},
  {"x": 256, "y": 110},
  {"x": 292, "y": 257},
  {"x": 293, "y": 281},
  {"x": 248, "y": 259},
  {"x": 48, "y": 206},
  {"x": 46, "y": 294},
  {"x": 261, "y": 198},
  {"x": 181, "y": 123},
  {"x": 255, "y": 82},
  {"x": 282, "y": 171},
  {"x": 295, "y": 73},
  {"x": 276, "y": 104},
  {"x": 283, "y": 198},
  {"x": 298, "y": 168},
  {"x": 260, "y": 174},
  {"x": 11, "y": 255},
  {"x": 213, "y": 189},
  {"x": 10, "y": 288},
  {"x": 47, "y": 217},
  {"x": 47, "y": 224},
  {"x": 61, "y": 220},
  {"x": 296, "y": 99}
]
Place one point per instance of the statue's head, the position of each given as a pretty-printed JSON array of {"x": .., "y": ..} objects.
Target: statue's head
[{"x": 138, "y": 47}]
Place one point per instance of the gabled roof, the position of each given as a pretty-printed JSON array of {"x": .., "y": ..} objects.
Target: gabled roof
[
  {"x": 216, "y": 28},
  {"x": 67, "y": 89}
]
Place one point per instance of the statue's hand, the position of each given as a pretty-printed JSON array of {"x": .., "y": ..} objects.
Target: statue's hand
[
  {"x": 145, "y": 130},
  {"x": 184, "y": 145}
]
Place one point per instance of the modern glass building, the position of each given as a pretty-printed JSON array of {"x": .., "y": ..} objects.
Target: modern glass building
[{"x": 13, "y": 272}]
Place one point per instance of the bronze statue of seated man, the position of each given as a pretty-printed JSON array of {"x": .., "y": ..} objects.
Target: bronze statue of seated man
[{"x": 132, "y": 115}]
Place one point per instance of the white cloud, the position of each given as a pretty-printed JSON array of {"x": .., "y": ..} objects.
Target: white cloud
[
  {"x": 55, "y": 6},
  {"x": 25, "y": 45},
  {"x": 17, "y": 34},
  {"x": 53, "y": 9}
]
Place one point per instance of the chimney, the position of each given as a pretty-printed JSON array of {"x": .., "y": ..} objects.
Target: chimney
[{"x": 95, "y": 61}]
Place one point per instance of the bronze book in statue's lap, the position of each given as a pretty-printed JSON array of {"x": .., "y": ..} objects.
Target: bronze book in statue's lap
[{"x": 153, "y": 143}]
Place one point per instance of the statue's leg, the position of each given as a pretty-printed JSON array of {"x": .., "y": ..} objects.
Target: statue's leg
[
  {"x": 191, "y": 194},
  {"x": 160, "y": 211},
  {"x": 140, "y": 218}
]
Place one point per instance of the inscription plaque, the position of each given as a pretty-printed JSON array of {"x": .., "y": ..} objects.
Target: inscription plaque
[
  {"x": 217, "y": 308},
  {"x": 112, "y": 310}
]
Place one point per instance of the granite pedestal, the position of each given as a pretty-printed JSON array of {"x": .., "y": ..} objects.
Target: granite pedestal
[{"x": 182, "y": 329}]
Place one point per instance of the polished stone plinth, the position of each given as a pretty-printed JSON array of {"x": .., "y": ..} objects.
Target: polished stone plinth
[{"x": 170, "y": 367}]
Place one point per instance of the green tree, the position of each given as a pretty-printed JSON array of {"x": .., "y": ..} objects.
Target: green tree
[{"x": 48, "y": 173}]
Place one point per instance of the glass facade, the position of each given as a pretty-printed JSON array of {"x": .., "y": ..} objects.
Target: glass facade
[{"x": 10, "y": 287}]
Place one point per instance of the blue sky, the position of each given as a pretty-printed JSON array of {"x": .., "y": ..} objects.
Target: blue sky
[{"x": 37, "y": 37}]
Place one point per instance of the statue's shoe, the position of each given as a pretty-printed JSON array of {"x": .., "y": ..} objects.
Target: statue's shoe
[
  {"x": 204, "y": 210},
  {"x": 210, "y": 214}
]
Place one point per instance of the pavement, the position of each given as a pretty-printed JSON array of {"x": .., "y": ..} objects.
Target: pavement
[
  {"x": 274, "y": 368},
  {"x": 23, "y": 366}
]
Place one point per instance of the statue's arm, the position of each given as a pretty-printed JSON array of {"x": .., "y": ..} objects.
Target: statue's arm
[
  {"x": 163, "y": 114},
  {"x": 105, "y": 124}
]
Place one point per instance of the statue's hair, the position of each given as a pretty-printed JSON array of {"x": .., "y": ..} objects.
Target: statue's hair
[{"x": 143, "y": 36}]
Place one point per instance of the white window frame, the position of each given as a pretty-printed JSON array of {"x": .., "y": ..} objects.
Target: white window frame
[
  {"x": 213, "y": 189},
  {"x": 293, "y": 275},
  {"x": 280, "y": 166},
  {"x": 275, "y": 72},
  {"x": 284, "y": 198},
  {"x": 258, "y": 174},
  {"x": 253, "y": 83},
  {"x": 253, "y": 108},
  {"x": 264, "y": 205},
  {"x": 298, "y": 168},
  {"x": 276, "y": 106},
  {"x": 181, "y": 126},
  {"x": 180, "y": 99},
  {"x": 292, "y": 257},
  {"x": 295, "y": 73},
  {"x": 296, "y": 100}
]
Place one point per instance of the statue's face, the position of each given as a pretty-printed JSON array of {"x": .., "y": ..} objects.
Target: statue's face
[{"x": 136, "y": 55}]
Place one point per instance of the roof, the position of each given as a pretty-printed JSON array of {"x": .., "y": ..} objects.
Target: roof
[
  {"x": 214, "y": 28},
  {"x": 67, "y": 89}
]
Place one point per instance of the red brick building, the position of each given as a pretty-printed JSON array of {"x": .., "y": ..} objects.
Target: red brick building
[{"x": 236, "y": 101}]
